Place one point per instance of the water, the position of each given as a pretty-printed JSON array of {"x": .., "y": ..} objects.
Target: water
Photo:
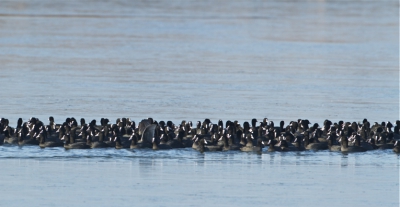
[
  {"x": 187, "y": 178},
  {"x": 195, "y": 60},
  {"x": 174, "y": 60}
]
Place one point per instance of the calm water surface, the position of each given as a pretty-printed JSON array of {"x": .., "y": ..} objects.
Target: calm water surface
[
  {"x": 175, "y": 60},
  {"x": 194, "y": 60},
  {"x": 187, "y": 178}
]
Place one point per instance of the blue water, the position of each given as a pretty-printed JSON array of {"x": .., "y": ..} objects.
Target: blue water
[
  {"x": 185, "y": 177},
  {"x": 175, "y": 60},
  {"x": 194, "y": 60}
]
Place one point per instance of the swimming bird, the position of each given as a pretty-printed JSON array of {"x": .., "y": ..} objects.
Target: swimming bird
[
  {"x": 178, "y": 142},
  {"x": 297, "y": 146},
  {"x": 7, "y": 139},
  {"x": 43, "y": 143},
  {"x": 372, "y": 144},
  {"x": 73, "y": 130},
  {"x": 254, "y": 127},
  {"x": 100, "y": 143},
  {"x": 84, "y": 132},
  {"x": 257, "y": 148},
  {"x": 227, "y": 139},
  {"x": 381, "y": 138},
  {"x": 313, "y": 146},
  {"x": 242, "y": 137},
  {"x": 346, "y": 148},
  {"x": 195, "y": 140},
  {"x": 249, "y": 142},
  {"x": 71, "y": 144},
  {"x": 135, "y": 143},
  {"x": 32, "y": 139},
  {"x": 102, "y": 138},
  {"x": 188, "y": 130},
  {"x": 116, "y": 137},
  {"x": 157, "y": 146},
  {"x": 146, "y": 131},
  {"x": 61, "y": 131},
  {"x": 5, "y": 126},
  {"x": 212, "y": 145},
  {"x": 281, "y": 126},
  {"x": 396, "y": 131},
  {"x": 200, "y": 146},
  {"x": 326, "y": 128},
  {"x": 284, "y": 144},
  {"x": 19, "y": 126},
  {"x": 332, "y": 144}
]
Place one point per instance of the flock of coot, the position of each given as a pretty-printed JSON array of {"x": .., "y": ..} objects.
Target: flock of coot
[{"x": 204, "y": 136}]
